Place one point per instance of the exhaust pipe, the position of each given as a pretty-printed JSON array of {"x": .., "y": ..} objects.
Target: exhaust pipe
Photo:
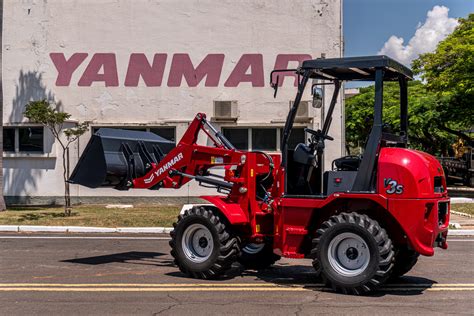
[{"x": 113, "y": 157}]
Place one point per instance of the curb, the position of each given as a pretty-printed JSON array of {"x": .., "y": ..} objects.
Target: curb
[
  {"x": 460, "y": 232},
  {"x": 461, "y": 214},
  {"x": 146, "y": 230},
  {"x": 81, "y": 229}
]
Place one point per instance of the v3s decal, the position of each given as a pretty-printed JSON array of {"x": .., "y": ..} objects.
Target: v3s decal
[{"x": 392, "y": 186}]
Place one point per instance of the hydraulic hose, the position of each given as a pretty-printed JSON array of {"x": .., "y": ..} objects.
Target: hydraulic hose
[{"x": 270, "y": 163}]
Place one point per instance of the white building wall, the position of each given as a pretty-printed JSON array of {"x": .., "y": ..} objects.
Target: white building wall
[{"x": 33, "y": 30}]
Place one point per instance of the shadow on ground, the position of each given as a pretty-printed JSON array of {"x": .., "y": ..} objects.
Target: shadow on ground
[
  {"x": 130, "y": 257},
  {"x": 305, "y": 276},
  {"x": 280, "y": 274}
]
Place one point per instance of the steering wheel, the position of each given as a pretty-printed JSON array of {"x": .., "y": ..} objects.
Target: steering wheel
[{"x": 318, "y": 134}]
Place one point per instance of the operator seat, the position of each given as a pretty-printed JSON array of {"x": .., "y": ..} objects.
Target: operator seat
[
  {"x": 347, "y": 163},
  {"x": 302, "y": 162}
]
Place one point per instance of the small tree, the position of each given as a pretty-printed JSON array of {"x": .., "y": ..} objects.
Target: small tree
[{"x": 44, "y": 113}]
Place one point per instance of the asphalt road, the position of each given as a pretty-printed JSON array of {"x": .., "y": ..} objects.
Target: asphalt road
[{"x": 123, "y": 275}]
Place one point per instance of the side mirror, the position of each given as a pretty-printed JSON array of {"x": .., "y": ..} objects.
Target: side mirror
[{"x": 317, "y": 93}]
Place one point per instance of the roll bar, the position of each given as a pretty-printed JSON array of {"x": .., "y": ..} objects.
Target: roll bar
[{"x": 375, "y": 68}]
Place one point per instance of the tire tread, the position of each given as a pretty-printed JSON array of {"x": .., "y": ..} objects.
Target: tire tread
[
  {"x": 229, "y": 248},
  {"x": 385, "y": 247}
]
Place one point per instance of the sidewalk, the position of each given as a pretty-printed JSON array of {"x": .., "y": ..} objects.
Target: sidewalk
[{"x": 83, "y": 229}]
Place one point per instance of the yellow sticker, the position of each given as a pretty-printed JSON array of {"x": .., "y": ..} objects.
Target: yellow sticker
[
  {"x": 251, "y": 172},
  {"x": 216, "y": 160},
  {"x": 257, "y": 228}
]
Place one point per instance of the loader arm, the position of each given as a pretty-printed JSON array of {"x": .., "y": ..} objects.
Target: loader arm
[{"x": 188, "y": 160}]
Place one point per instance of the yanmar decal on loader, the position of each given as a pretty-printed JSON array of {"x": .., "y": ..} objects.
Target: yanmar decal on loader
[{"x": 164, "y": 168}]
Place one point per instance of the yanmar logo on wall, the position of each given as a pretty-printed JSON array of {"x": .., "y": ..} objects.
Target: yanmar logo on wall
[{"x": 102, "y": 68}]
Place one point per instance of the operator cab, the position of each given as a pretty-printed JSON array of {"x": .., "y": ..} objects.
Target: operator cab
[{"x": 305, "y": 174}]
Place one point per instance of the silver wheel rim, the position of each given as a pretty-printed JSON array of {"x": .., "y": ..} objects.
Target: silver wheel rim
[
  {"x": 253, "y": 248},
  {"x": 348, "y": 254},
  {"x": 197, "y": 243}
]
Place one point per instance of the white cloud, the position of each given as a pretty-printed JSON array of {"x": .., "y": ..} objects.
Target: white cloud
[{"x": 436, "y": 27}]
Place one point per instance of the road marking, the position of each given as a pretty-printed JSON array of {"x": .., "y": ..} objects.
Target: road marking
[
  {"x": 408, "y": 285},
  {"x": 211, "y": 287},
  {"x": 84, "y": 237},
  {"x": 157, "y": 289},
  {"x": 430, "y": 289},
  {"x": 151, "y": 285},
  {"x": 432, "y": 285}
]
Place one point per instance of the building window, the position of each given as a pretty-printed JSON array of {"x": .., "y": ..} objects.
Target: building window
[
  {"x": 9, "y": 139},
  {"x": 23, "y": 139},
  {"x": 239, "y": 137},
  {"x": 266, "y": 139},
  {"x": 31, "y": 139},
  {"x": 297, "y": 136},
  {"x": 168, "y": 133}
]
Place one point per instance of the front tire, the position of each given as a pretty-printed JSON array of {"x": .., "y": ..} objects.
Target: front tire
[
  {"x": 258, "y": 256},
  {"x": 353, "y": 254},
  {"x": 203, "y": 247}
]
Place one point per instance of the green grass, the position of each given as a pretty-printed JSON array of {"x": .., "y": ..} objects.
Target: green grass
[
  {"x": 93, "y": 215},
  {"x": 467, "y": 208},
  {"x": 99, "y": 216}
]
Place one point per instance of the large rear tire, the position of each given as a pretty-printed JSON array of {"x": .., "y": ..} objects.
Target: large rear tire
[
  {"x": 353, "y": 254},
  {"x": 405, "y": 260},
  {"x": 258, "y": 256},
  {"x": 201, "y": 244}
]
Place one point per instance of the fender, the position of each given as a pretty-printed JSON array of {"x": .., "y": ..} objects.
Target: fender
[{"x": 231, "y": 210}]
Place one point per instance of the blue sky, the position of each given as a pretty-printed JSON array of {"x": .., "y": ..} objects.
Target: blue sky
[
  {"x": 401, "y": 29},
  {"x": 368, "y": 24}
]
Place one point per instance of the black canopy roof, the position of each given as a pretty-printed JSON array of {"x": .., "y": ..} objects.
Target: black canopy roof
[{"x": 356, "y": 68}]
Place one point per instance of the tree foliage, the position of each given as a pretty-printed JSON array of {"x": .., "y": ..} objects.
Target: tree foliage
[
  {"x": 44, "y": 113},
  {"x": 449, "y": 74},
  {"x": 440, "y": 109},
  {"x": 422, "y": 117}
]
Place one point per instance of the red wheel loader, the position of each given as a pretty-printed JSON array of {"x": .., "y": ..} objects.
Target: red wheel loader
[{"x": 367, "y": 219}]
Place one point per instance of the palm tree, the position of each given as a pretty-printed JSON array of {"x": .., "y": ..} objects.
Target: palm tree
[{"x": 2, "y": 200}]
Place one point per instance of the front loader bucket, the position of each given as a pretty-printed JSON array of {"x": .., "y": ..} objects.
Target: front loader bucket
[{"x": 115, "y": 156}]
